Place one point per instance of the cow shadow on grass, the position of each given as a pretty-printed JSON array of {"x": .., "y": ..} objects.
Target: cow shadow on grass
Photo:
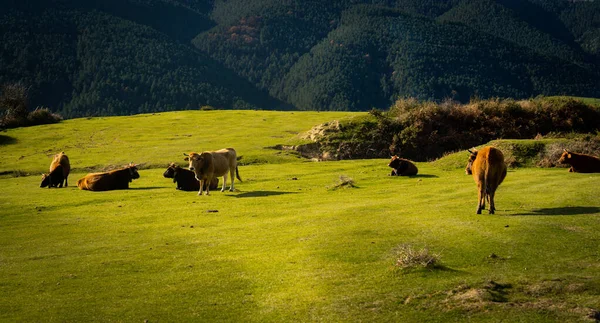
[
  {"x": 416, "y": 176},
  {"x": 145, "y": 188},
  {"x": 6, "y": 140},
  {"x": 260, "y": 194},
  {"x": 569, "y": 210},
  {"x": 424, "y": 176}
]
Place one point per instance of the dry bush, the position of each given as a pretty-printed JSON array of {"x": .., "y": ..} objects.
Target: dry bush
[
  {"x": 14, "y": 101},
  {"x": 344, "y": 182},
  {"x": 409, "y": 257},
  {"x": 43, "y": 115}
]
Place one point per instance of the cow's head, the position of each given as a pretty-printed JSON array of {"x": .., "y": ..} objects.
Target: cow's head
[
  {"x": 472, "y": 157},
  {"x": 170, "y": 172},
  {"x": 194, "y": 159},
  {"x": 45, "y": 180},
  {"x": 394, "y": 162},
  {"x": 133, "y": 171},
  {"x": 565, "y": 158}
]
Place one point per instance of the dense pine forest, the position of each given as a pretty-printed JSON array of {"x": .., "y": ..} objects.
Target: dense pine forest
[{"x": 109, "y": 57}]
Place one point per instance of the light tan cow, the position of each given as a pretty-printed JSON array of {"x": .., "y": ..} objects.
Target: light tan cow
[{"x": 211, "y": 164}]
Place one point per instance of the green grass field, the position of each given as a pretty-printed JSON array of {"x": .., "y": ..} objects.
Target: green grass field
[{"x": 286, "y": 245}]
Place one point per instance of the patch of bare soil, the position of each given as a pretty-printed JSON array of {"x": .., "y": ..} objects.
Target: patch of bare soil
[{"x": 539, "y": 296}]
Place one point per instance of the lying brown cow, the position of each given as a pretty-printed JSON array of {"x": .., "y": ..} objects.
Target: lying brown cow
[
  {"x": 113, "y": 180},
  {"x": 402, "y": 167},
  {"x": 489, "y": 170},
  {"x": 186, "y": 179},
  {"x": 580, "y": 163},
  {"x": 211, "y": 164},
  {"x": 60, "y": 167}
]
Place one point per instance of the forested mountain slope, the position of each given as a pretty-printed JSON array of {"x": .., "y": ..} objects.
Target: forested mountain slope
[{"x": 92, "y": 57}]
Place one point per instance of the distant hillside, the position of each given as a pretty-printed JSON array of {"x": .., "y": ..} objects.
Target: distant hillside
[{"x": 92, "y": 57}]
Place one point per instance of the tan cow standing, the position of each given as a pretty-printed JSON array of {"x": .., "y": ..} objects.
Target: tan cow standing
[
  {"x": 211, "y": 164},
  {"x": 489, "y": 170}
]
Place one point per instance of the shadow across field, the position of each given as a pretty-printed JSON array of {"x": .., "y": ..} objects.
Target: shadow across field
[
  {"x": 6, "y": 140},
  {"x": 569, "y": 210},
  {"x": 260, "y": 194}
]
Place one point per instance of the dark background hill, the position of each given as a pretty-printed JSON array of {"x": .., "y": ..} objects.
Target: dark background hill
[{"x": 109, "y": 57}]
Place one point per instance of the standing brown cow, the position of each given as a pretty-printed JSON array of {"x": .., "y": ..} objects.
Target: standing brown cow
[
  {"x": 114, "y": 180},
  {"x": 489, "y": 170},
  {"x": 580, "y": 163},
  {"x": 59, "y": 172},
  {"x": 211, "y": 164}
]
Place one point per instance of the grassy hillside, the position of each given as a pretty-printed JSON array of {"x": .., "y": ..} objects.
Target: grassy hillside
[
  {"x": 287, "y": 245},
  {"x": 154, "y": 140}
]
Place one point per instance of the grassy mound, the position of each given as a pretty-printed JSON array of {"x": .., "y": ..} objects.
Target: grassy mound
[{"x": 425, "y": 130}]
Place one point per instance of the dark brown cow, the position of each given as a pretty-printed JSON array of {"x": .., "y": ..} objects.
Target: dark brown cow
[
  {"x": 113, "y": 180},
  {"x": 60, "y": 167},
  {"x": 402, "y": 167},
  {"x": 580, "y": 163},
  {"x": 186, "y": 179},
  {"x": 211, "y": 164},
  {"x": 489, "y": 170}
]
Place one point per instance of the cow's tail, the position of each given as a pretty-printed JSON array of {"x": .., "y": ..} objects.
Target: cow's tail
[
  {"x": 486, "y": 183},
  {"x": 237, "y": 173}
]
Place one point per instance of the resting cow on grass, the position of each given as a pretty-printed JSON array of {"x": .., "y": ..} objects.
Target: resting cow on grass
[
  {"x": 580, "y": 163},
  {"x": 211, "y": 164},
  {"x": 186, "y": 179},
  {"x": 113, "y": 180},
  {"x": 489, "y": 170},
  {"x": 60, "y": 167},
  {"x": 402, "y": 167}
]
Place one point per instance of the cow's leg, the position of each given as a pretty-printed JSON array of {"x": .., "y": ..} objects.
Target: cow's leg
[
  {"x": 201, "y": 187},
  {"x": 231, "y": 175},
  {"x": 224, "y": 183},
  {"x": 66, "y": 181},
  {"x": 481, "y": 197},
  {"x": 492, "y": 203}
]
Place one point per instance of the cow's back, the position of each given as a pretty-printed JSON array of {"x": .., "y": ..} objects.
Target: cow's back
[
  {"x": 61, "y": 159},
  {"x": 489, "y": 167},
  {"x": 224, "y": 160},
  {"x": 98, "y": 182}
]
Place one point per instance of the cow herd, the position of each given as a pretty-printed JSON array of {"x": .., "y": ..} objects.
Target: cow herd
[
  {"x": 202, "y": 176},
  {"x": 486, "y": 165}
]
